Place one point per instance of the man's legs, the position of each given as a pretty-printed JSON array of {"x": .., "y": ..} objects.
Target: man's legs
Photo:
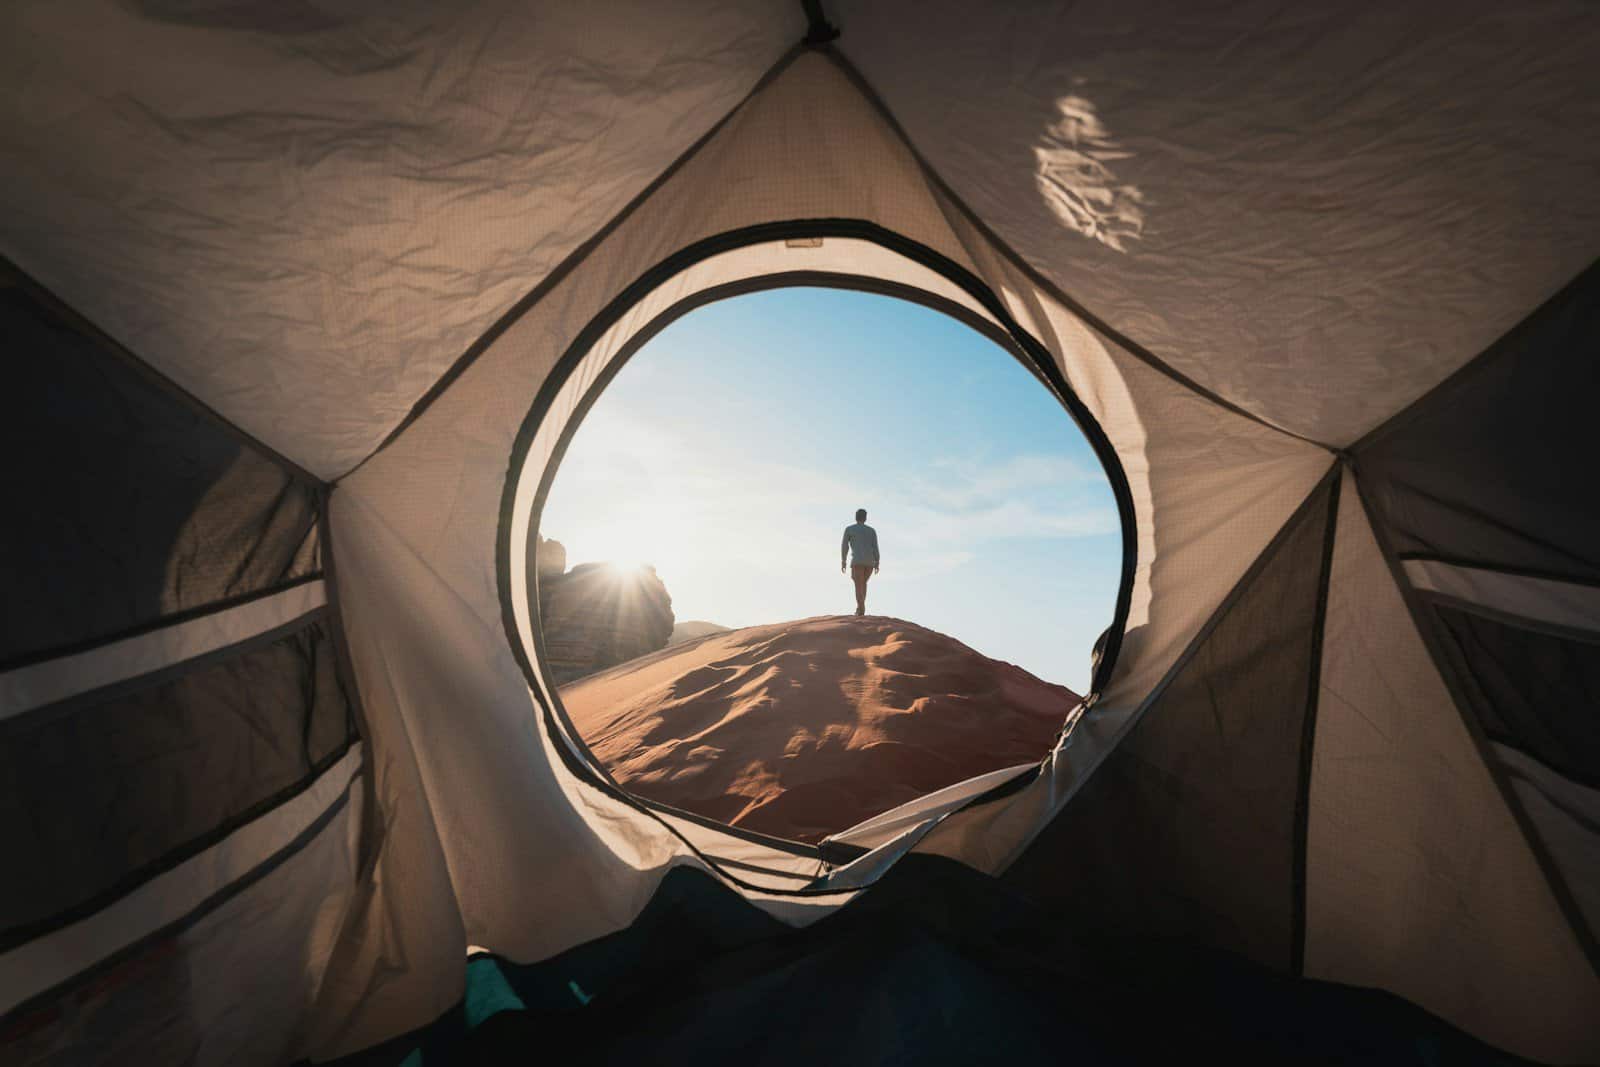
[{"x": 861, "y": 574}]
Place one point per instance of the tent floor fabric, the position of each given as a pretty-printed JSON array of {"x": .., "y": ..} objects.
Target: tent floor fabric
[{"x": 936, "y": 964}]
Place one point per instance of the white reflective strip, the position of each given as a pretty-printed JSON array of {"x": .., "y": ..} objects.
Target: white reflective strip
[
  {"x": 1538, "y": 599},
  {"x": 38, "y": 684},
  {"x": 47, "y": 961},
  {"x": 883, "y": 828}
]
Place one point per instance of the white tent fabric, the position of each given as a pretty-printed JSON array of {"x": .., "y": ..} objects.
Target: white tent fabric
[
  {"x": 376, "y": 240},
  {"x": 429, "y": 166}
]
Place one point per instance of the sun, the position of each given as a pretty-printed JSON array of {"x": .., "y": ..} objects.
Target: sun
[{"x": 654, "y": 532}]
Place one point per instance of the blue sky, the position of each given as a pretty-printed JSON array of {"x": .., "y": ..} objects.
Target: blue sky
[{"x": 735, "y": 446}]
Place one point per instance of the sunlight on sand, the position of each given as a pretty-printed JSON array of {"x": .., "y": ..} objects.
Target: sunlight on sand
[{"x": 805, "y": 728}]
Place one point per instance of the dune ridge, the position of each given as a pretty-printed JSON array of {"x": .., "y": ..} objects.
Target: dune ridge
[{"x": 802, "y": 729}]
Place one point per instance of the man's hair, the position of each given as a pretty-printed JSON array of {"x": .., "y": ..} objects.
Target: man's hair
[{"x": 861, "y": 514}]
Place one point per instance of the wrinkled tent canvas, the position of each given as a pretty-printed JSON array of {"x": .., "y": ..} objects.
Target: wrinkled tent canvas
[{"x": 299, "y": 304}]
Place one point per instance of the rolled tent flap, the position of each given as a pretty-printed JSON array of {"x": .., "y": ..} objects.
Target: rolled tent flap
[{"x": 1347, "y": 727}]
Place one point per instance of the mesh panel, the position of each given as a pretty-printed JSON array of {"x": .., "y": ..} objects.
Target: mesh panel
[
  {"x": 228, "y": 985},
  {"x": 1531, "y": 690},
  {"x": 1482, "y": 471},
  {"x": 1189, "y": 828},
  {"x": 129, "y": 505},
  {"x": 99, "y": 794}
]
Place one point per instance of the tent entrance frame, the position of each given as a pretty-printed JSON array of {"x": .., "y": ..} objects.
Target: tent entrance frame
[{"x": 986, "y": 313}]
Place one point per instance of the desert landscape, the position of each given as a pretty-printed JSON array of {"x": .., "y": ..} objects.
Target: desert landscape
[{"x": 802, "y": 729}]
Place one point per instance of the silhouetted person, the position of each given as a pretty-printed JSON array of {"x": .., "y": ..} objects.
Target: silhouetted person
[{"x": 861, "y": 543}]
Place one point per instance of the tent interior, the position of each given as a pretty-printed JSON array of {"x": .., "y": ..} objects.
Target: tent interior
[{"x": 300, "y": 302}]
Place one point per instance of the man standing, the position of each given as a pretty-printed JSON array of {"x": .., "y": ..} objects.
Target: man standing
[{"x": 861, "y": 542}]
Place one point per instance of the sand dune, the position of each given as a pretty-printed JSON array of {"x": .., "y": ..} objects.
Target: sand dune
[{"x": 805, "y": 728}]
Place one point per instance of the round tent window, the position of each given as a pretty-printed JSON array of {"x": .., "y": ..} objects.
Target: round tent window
[{"x": 666, "y": 547}]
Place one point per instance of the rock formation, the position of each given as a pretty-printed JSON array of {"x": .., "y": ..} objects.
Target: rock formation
[
  {"x": 598, "y": 615},
  {"x": 550, "y": 558}
]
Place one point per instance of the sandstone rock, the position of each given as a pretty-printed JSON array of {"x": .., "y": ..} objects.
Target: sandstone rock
[
  {"x": 598, "y": 615},
  {"x": 550, "y": 558}
]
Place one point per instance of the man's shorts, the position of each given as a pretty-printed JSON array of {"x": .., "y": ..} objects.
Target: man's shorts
[{"x": 860, "y": 573}]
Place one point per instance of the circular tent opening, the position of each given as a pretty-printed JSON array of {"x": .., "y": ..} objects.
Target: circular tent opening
[{"x": 829, "y": 255}]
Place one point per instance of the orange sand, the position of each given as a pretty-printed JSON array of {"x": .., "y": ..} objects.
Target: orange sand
[{"x": 802, "y": 729}]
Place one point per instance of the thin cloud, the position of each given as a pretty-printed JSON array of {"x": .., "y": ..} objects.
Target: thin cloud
[
  {"x": 970, "y": 485},
  {"x": 765, "y": 516}
]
